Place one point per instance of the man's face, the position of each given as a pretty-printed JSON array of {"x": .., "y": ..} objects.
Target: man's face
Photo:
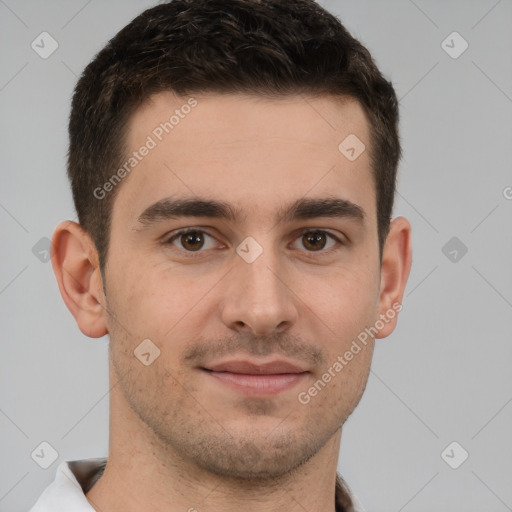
[{"x": 313, "y": 289}]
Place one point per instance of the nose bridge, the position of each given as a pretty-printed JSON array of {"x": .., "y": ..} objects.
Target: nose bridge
[
  {"x": 261, "y": 277},
  {"x": 258, "y": 297}
]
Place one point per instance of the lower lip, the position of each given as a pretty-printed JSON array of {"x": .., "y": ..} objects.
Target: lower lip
[{"x": 259, "y": 384}]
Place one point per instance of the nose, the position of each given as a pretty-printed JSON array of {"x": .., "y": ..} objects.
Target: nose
[{"x": 258, "y": 297}]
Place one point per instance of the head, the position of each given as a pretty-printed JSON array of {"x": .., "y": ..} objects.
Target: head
[
  {"x": 269, "y": 49},
  {"x": 228, "y": 118}
]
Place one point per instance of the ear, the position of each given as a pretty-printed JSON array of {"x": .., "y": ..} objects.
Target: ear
[
  {"x": 395, "y": 268},
  {"x": 76, "y": 266}
]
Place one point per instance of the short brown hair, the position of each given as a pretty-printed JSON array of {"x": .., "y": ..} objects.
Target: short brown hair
[{"x": 266, "y": 47}]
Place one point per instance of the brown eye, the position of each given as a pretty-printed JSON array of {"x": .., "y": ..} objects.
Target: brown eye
[
  {"x": 192, "y": 240},
  {"x": 315, "y": 240}
]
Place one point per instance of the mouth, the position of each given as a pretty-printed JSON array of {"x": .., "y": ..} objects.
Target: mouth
[{"x": 255, "y": 379}]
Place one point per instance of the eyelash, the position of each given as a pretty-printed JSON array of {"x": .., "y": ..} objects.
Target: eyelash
[{"x": 193, "y": 254}]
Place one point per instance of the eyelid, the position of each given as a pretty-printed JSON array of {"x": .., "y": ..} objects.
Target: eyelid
[{"x": 339, "y": 237}]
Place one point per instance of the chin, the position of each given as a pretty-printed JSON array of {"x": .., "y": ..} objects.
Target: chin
[{"x": 252, "y": 453}]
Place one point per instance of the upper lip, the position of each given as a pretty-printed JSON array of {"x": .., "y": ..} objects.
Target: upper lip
[{"x": 273, "y": 367}]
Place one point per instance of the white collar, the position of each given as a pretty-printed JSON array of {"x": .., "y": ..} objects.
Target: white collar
[
  {"x": 65, "y": 493},
  {"x": 74, "y": 478}
]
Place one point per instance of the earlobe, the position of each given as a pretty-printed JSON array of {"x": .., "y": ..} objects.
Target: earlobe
[
  {"x": 395, "y": 269},
  {"x": 76, "y": 267}
]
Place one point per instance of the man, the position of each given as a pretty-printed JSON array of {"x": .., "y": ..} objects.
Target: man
[{"x": 233, "y": 166}]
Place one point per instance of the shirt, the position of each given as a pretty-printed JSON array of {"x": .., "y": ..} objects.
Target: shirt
[{"x": 75, "y": 478}]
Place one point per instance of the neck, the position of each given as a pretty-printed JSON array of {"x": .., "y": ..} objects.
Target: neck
[{"x": 143, "y": 474}]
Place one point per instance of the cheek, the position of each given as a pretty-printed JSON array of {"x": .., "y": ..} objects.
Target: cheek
[
  {"x": 157, "y": 303},
  {"x": 340, "y": 309},
  {"x": 346, "y": 298}
]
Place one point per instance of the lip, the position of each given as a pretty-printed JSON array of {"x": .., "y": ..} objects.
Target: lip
[
  {"x": 277, "y": 366},
  {"x": 257, "y": 379}
]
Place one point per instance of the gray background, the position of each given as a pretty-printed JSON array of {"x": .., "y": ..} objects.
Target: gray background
[{"x": 443, "y": 376}]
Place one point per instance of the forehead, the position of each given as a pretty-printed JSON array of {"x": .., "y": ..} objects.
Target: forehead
[
  {"x": 248, "y": 150},
  {"x": 315, "y": 120}
]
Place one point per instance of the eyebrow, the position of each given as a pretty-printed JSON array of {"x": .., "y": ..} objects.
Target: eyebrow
[{"x": 302, "y": 209}]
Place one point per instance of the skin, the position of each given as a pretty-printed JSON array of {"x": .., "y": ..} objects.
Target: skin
[{"x": 179, "y": 438}]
